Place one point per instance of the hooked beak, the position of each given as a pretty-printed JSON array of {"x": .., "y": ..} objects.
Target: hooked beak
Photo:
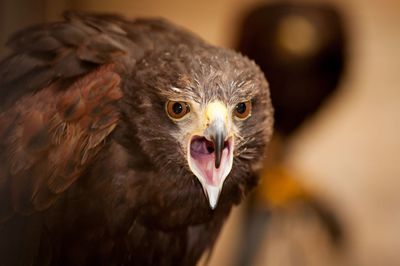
[
  {"x": 217, "y": 133},
  {"x": 218, "y": 139},
  {"x": 210, "y": 155}
]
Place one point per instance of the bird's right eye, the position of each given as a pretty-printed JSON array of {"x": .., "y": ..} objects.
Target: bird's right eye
[{"x": 177, "y": 109}]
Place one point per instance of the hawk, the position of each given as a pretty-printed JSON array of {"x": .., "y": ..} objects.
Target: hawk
[{"x": 123, "y": 142}]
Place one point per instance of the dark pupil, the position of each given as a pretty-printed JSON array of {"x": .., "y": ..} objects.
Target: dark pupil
[
  {"x": 177, "y": 108},
  {"x": 241, "y": 108}
]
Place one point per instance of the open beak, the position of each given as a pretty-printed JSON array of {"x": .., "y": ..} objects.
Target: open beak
[{"x": 210, "y": 155}]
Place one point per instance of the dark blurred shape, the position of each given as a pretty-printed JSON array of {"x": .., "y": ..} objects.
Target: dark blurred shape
[
  {"x": 301, "y": 48},
  {"x": 17, "y": 14}
]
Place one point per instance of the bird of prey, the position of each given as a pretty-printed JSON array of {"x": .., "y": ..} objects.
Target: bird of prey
[{"x": 123, "y": 142}]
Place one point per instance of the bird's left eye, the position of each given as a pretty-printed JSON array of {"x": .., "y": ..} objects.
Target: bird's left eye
[
  {"x": 177, "y": 109},
  {"x": 242, "y": 110}
]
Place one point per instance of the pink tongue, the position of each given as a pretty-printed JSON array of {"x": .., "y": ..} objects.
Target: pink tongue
[
  {"x": 203, "y": 155},
  {"x": 201, "y": 146}
]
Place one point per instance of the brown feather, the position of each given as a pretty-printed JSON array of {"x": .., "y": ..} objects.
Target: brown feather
[
  {"x": 76, "y": 129},
  {"x": 91, "y": 170}
]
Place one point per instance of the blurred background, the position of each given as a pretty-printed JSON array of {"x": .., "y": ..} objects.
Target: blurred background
[{"x": 329, "y": 195}]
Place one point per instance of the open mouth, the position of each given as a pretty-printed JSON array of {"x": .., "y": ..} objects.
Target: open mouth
[{"x": 204, "y": 163}]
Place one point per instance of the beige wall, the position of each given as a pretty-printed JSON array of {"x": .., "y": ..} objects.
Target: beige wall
[
  {"x": 213, "y": 20},
  {"x": 351, "y": 152}
]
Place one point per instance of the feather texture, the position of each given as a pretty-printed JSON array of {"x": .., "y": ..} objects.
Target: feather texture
[{"x": 91, "y": 170}]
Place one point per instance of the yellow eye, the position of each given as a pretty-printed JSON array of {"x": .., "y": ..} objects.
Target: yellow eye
[
  {"x": 243, "y": 110},
  {"x": 177, "y": 109}
]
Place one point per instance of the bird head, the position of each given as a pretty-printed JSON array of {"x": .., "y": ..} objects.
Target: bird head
[
  {"x": 213, "y": 116},
  {"x": 209, "y": 140}
]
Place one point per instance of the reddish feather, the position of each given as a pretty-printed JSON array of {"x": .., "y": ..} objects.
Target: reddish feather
[{"x": 68, "y": 116}]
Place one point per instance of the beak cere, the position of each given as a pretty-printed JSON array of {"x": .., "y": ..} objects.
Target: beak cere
[{"x": 210, "y": 156}]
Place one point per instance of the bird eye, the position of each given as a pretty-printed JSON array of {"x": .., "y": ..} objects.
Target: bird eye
[
  {"x": 243, "y": 110},
  {"x": 176, "y": 109}
]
